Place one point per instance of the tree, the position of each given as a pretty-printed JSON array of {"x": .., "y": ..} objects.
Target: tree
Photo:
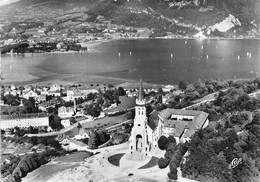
[
  {"x": 163, "y": 163},
  {"x": 103, "y": 136},
  {"x": 29, "y": 106},
  {"x": 72, "y": 120},
  {"x": 93, "y": 140},
  {"x": 119, "y": 91},
  {"x": 33, "y": 140},
  {"x": 162, "y": 142},
  {"x": 55, "y": 122},
  {"x": 11, "y": 100},
  {"x": 53, "y": 143},
  {"x": 238, "y": 119},
  {"x": 173, "y": 174},
  {"x": 183, "y": 85}
]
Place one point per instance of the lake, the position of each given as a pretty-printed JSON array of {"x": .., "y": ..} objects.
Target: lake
[{"x": 161, "y": 61}]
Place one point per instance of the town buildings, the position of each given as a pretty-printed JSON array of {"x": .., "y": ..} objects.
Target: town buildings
[
  {"x": 76, "y": 93},
  {"x": 65, "y": 112},
  {"x": 24, "y": 120}
]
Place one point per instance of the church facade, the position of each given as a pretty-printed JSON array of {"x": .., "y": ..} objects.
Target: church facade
[{"x": 145, "y": 134}]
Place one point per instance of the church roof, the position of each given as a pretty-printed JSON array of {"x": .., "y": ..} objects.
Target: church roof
[
  {"x": 140, "y": 91},
  {"x": 153, "y": 119}
]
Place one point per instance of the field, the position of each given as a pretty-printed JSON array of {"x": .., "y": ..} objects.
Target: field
[
  {"x": 64, "y": 167},
  {"x": 106, "y": 121},
  {"x": 126, "y": 103},
  {"x": 72, "y": 158}
]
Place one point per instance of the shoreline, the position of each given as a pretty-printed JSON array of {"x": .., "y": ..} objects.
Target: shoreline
[{"x": 91, "y": 44}]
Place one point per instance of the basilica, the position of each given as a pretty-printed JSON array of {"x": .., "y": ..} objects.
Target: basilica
[
  {"x": 145, "y": 134},
  {"x": 179, "y": 123}
]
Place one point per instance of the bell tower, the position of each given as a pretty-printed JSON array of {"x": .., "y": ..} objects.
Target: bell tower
[{"x": 139, "y": 136}]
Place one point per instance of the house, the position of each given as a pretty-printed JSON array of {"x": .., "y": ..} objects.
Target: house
[
  {"x": 31, "y": 31},
  {"x": 12, "y": 87},
  {"x": 61, "y": 46},
  {"x": 41, "y": 98},
  {"x": 83, "y": 133},
  {"x": 55, "y": 87},
  {"x": 27, "y": 88},
  {"x": 55, "y": 93},
  {"x": 65, "y": 123},
  {"x": 14, "y": 92},
  {"x": 29, "y": 94},
  {"x": 72, "y": 144},
  {"x": 14, "y": 32},
  {"x": 168, "y": 88},
  {"x": 76, "y": 93},
  {"x": 41, "y": 32},
  {"x": 182, "y": 124},
  {"x": 108, "y": 31},
  {"x": 44, "y": 91},
  {"x": 65, "y": 112},
  {"x": 131, "y": 94},
  {"x": 24, "y": 120},
  {"x": 168, "y": 97},
  {"x": 2, "y": 103}
]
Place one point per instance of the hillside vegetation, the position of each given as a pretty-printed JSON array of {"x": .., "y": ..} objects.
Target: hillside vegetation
[{"x": 185, "y": 17}]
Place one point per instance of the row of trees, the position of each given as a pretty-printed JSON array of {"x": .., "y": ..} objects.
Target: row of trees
[
  {"x": 28, "y": 164},
  {"x": 173, "y": 155},
  {"x": 40, "y": 47},
  {"x": 28, "y": 106},
  {"x": 200, "y": 89},
  {"x": 229, "y": 103}
]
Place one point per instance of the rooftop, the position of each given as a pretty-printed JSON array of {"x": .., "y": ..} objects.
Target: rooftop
[
  {"x": 184, "y": 128},
  {"x": 77, "y": 142},
  {"x": 153, "y": 119},
  {"x": 166, "y": 114},
  {"x": 21, "y": 116}
]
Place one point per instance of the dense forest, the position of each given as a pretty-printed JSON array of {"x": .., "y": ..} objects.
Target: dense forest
[{"x": 228, "y": 149}]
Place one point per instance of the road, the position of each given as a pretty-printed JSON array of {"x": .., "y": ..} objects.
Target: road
[{"x": 206, "y": 99}]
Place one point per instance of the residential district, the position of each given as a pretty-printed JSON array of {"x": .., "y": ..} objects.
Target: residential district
[{"x": 203, "y": 131}]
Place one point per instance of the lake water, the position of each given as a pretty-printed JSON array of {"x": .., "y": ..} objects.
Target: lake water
[{"x": 158, "y": 60}]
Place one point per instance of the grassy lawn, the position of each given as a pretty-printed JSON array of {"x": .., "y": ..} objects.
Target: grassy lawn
[
  {"x": 125, "y": 103},
  {"x": 106, "y": 121},
  {"x": 75, "y": 157},
  {"x": 46, "y": 172},
  {"x": 153, "y": 162},
  {"x": 114, "y": 159}
]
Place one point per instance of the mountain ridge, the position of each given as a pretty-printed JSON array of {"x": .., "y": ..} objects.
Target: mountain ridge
[{"x": 184, "y": 17}]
